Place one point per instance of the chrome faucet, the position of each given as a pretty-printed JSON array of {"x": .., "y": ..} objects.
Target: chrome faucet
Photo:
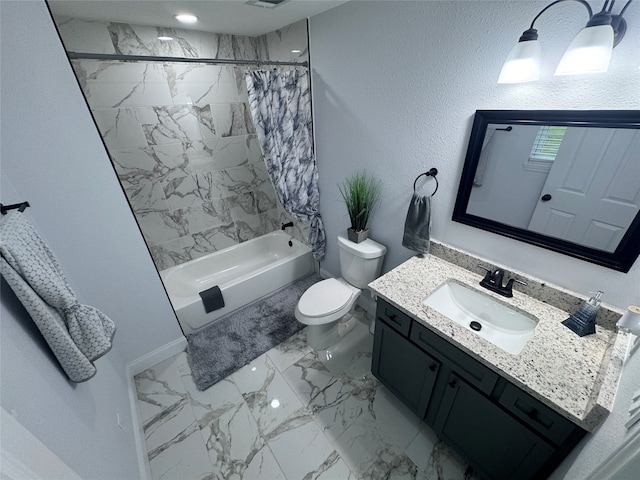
[{"x": 493, "y": 280}]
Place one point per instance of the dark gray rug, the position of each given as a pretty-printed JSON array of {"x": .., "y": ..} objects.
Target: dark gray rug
[{"x": 230, "y": 343}]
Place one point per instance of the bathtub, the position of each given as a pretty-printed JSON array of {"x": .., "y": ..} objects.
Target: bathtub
[{"x": 244, "y": 272}]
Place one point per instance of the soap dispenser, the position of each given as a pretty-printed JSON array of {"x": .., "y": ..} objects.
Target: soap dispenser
[{"x": 583, "y": 322}]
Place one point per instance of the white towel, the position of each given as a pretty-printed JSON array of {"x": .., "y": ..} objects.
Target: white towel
[
  {"x": 417, "y": 225},
  {"x": 77, "y": 334}
]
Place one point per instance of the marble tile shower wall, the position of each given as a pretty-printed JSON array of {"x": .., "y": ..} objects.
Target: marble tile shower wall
[{"x": 180, "y": 135}]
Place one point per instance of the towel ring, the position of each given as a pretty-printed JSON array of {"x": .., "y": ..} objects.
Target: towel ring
[
  {"x": 431, "y": 173},
  {"x": 20, "y": 206}
]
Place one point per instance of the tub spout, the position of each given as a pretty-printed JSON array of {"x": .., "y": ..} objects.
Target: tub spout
[{"x": 285, "y": 225}]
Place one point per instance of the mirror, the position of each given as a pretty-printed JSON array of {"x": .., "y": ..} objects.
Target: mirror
[{"x": 568, "y": 181}]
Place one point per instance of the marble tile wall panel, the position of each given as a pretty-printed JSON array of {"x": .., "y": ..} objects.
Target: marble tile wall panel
[
  {"x": 79, "y": 35},
  {"x": 89, "y": 36},
  {"x": 201, "y": 84},
  {"x": 109, "y": 84},
  {"x": 119, "y": 38},
  {"x": 180, "y": 135},
  {"x": 281, "y": 42}
]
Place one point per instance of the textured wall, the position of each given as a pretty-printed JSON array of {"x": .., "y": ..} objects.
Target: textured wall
[
  {"x": 395, "y": 87},
  {"x": 52, "y": 156}
]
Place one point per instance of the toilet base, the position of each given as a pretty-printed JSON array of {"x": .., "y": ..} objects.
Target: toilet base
[{"x": 321, "y": 337}]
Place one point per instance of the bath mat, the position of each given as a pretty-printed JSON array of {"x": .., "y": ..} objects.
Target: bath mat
[{"x": 225, "y": 346}]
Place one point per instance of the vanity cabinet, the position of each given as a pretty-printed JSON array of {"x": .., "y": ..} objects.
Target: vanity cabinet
[
  {"x": 498, "y": 428},
  {"x": 403, "y": 368},
  {"x": 487, "y": 435}
]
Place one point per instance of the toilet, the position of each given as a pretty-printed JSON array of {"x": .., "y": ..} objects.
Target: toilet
[{"x": 326, "y": 306}]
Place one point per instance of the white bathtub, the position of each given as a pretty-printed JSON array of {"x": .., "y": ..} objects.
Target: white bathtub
[{"x": 244, "y": 272}]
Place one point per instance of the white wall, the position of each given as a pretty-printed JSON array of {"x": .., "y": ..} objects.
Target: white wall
[
  {"x": 395, "y": 87},
  {"x": 52, "y": 156}
]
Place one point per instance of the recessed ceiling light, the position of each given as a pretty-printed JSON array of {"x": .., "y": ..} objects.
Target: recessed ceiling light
[
  {"x": 186, "y": 18},
  {"x": 165, "y": 39},
  {"x": 296, "y": 51}
]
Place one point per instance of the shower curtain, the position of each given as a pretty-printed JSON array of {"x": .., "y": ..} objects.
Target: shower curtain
[{"x": 281, "y": 112}]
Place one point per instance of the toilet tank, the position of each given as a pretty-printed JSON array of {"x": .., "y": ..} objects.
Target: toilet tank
[{"x": 360, "y": 263}]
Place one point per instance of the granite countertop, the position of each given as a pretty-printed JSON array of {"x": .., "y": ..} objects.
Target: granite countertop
[{"x": 575, "y": 376}]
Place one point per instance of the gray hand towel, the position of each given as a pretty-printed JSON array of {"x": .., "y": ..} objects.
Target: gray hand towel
[
  {"x": 212, "y": 299},
  {"x": 418, "y": 224},
  {"x": 77, "y": 334}
]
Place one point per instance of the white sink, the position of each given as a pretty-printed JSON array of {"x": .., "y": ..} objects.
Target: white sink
[{"x": 500, "y": 324}]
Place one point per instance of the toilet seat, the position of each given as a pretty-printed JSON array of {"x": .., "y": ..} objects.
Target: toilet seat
[
  {"x": 324, "y": 298},
  {"x": 326, "y": 301}
]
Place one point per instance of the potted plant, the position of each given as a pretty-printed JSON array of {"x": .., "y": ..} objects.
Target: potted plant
[{"x": 361, "y": 193}]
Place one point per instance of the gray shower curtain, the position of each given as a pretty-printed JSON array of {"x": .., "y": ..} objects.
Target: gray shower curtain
[{"x": 281, "y": 111}]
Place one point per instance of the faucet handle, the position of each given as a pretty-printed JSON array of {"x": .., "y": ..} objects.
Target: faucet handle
[
  {"x": 487, "y": 276},
  {"x": 511, "y": 282}
]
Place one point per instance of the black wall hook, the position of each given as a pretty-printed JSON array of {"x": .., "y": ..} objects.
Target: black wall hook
[
  {"x": 20, "y": 206},
  {"x": 431, "y": 173}
]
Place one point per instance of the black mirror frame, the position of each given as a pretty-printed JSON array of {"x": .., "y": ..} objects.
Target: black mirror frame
[{"x": 623, "y": 258}]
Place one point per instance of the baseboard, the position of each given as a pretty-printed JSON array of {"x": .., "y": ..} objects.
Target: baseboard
[
  {"x": 324, "y": 274},
  {"x": 133, "y": 368},
  {"x": 367, "y": 303},
  {"x": 158, "y": 355},
  {"x": 138, "y": 432}
]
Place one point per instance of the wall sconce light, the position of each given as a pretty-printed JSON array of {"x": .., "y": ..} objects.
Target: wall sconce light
[{"x": 589, "y": 52}]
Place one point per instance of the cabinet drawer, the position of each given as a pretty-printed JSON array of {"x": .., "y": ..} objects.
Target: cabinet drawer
[
  {"x": 393, "y": 317},
  {"x": 470, "y": 369},
  {"x": 537, "y": 415}
]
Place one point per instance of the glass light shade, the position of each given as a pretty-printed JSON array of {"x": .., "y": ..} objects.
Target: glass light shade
[
  {"x": 589, "y": 52},
  {"x": 522, "y": 63}
]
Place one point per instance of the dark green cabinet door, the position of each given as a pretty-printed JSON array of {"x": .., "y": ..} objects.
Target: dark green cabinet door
[
  {"x": 403, "y": 368},
  {"x": 490, "y": 438}
]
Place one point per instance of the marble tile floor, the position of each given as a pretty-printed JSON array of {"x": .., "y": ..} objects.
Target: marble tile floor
[{"x": 290, "y": 414}]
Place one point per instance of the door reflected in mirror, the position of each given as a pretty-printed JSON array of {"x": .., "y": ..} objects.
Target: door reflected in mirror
[{"x": 562, "y": 180}]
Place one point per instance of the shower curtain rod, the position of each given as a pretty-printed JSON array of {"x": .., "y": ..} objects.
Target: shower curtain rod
[{"x": 149, "y": 58}]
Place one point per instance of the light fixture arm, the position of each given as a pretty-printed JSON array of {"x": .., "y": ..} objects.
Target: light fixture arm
[
  {"x": 604, "y": 17},
  {"x": 618, "y": 23},
  {"x": 532, "y": 33},
  {"x": 583, "y": 2}
]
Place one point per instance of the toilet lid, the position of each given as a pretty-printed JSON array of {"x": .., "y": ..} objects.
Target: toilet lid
[{"x": 324, "y": 298}]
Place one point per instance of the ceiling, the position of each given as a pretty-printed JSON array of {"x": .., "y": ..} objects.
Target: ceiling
[{"x": 217, "y": 16}]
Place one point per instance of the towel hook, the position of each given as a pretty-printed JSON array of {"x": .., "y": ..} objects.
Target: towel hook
[{"x": 431, "y": 173}]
